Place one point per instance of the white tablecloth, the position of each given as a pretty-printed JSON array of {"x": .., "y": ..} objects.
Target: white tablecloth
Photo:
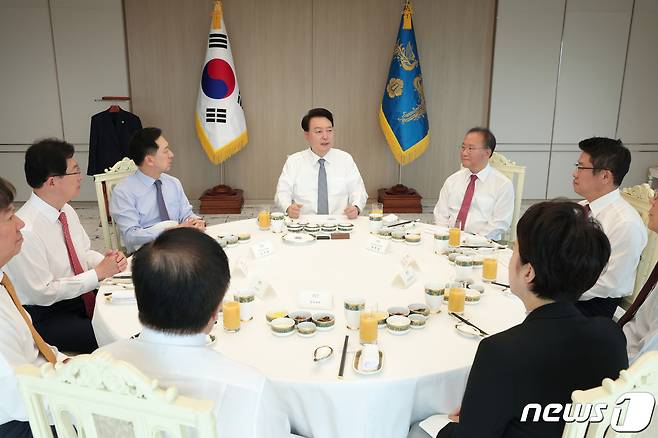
[{"x": 424, "y": 372}]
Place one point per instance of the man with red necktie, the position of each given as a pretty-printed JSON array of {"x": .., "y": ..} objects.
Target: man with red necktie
[
  {"x": 20, "y": 342},
  {"x": 478, "y": 198},
  {"x": 640, "y": 322},
  {"x": 56, "y": 273}
]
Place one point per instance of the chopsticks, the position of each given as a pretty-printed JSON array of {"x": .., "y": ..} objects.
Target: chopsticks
[
  {"x": 342, "y": 358},
  {"x": 466, "y": 321},
  {"x": 500, "y": 284}
]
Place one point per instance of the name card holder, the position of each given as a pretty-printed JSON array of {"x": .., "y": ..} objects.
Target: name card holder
[
  {"x": 315, "y": 299},
  {"x": 408, "y": 261},
  {"x": 377, "y": 245},
  {"x": 262, "y": 249},
  {"x": 406, "y": 277},
  {"x": 262, "y": 288},
  {"x": 241, "y": 265}
]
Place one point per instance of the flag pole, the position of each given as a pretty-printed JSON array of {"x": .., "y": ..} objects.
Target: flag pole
[
  {"x": 399, "y": 174},
  {"x": 221, "y": 173}
]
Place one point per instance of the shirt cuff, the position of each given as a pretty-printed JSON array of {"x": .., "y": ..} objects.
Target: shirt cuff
[{"x": 89, "y": 280}]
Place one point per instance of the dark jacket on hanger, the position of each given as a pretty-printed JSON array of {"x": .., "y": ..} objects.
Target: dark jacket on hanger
[{"x": 109, "y": 137}]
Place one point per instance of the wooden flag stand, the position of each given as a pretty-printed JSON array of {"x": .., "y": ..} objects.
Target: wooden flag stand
[
  {"x": 400, "y": 198},
  {"x": 222, "y": 199}
]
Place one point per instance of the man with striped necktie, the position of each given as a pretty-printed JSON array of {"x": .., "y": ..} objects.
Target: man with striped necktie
[{"x": 20, "y": 343}]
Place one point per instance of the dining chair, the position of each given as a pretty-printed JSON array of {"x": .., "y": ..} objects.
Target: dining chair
[
  {"x": 105, "y": 183},
  {"x": 92, "y": 393},
  {"x": 516, "y": 174},
  {"x": 624, "y": 407},
  {"x": 639, "y": 197}
]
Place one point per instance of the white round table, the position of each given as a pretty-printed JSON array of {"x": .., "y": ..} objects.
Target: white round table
[{"x": 424, "y": 371}]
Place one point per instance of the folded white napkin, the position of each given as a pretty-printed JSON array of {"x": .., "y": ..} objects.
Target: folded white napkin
[
  {"x": 474, "y": 240},
  {"x": 390, "y": 218},
  {"x": 369, "y": 358},
  {"x": 120, "y": 295},
  {"x": 434, "y": 424}
]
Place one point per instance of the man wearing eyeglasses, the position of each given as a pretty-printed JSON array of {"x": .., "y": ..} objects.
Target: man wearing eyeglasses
[
  {"x": 600, "y": 169},
  {"x": 478, "y": 198},
  {"x": 56, "y": 273}
]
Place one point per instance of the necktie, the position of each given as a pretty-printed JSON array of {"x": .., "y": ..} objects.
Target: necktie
[
  {"x": 44, "y": 349},
  {"x": 89, "y": 298},
  {"x": 162, "y": 208},
  {"x": 323, "y": 197},
  {"x": 588, "y": 210},
  {"x": 466, "y": 203},
  {"x": 639, "y": 299}
]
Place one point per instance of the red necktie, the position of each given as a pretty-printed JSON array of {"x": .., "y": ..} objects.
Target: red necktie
[
  {"x": 89, "y": 298},
  {"x": 466, "y": 203},
  {"x": 639, "y": 299},
  {"x": 588, "y": 210}
]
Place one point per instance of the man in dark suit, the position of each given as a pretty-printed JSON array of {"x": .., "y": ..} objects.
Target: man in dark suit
[{"x": 559, "y": 255}]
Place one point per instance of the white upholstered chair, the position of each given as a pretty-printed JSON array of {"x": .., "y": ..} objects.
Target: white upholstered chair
[
  {"x": 642, "y": 376},
  {"x": 105, "y": 183},
  {"x": 640, "y": 198},
  {"x": 516, "y": 174},
  {"x": 96, "y": 389}
]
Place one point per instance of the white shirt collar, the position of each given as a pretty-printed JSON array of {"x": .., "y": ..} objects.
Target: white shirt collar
[
  {"x": 601, "y": 203},
  {"x": 157, "y": 337},
  {"x": 315, "y": 157},
  {"x": 482, "y": 175},
  {"x": 50, "y": 212}
]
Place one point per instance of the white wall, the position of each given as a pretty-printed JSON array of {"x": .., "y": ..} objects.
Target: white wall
[
  {"x": 565, "y": 70},
  {"x": 57, "y": 57}
]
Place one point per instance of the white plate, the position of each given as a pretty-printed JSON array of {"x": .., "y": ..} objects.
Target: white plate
[
  {"x": 467, "y": 330},
  {"x": 283, "y": 335},
  {"x": 398, "y": 333},
  {"x": 357, "y": 358},
  {"x": 298, "y": 238}
]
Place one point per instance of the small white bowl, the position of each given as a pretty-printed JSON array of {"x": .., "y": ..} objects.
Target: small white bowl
[
  {"x": 306, "y": 329},
  {"x": 282, "y": 326},
  {"x": 417, "y": 321},
  {"x": 398, "y": 310},
  {"x": 398, "y": 325}
]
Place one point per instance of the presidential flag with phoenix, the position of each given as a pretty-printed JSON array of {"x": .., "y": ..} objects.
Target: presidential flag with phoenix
[
  {"x": 219, "y": 117},
  {"x": 403, "y": 113}
]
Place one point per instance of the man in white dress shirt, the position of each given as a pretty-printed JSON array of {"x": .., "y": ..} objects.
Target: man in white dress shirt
[
  {"x": 640, "y": 323},
  {"x": 56, "y": 273},
  {"x": 320, "y": 179},
  {"x": 17, "y": 343},
  {"x": 150, "y": 196},
  {"x": 599, "y": 172},
  {"x": 180, "y": 279},
  {"x": 478, "y": 196}
]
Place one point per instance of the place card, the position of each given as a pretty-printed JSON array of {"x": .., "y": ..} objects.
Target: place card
[
  {"x": 241, "y": 265},
  {"x": 377, "y": 245},
  {"x": 262, "y": 249},
  {"x": 262, "y": 288},
  {"x": 315, "y": 299},
  {"x": 406, "y": 276},
  {"x": 408, "y": 261}
]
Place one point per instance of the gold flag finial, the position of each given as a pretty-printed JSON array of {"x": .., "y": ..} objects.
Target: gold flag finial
[
  {"x": 217, "y": 15},
  {"x": 408, "y": 12}
]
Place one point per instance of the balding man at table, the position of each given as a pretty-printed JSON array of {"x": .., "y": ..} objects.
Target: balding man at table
[
  {"x": 320, "y": 179},
  {"x": 180, "y": 280}
]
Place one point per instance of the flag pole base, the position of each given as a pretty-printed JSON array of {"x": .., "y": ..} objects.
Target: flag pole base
[
  {"x": 222, "y": 199},
  {"x": 400, "y": 199}
]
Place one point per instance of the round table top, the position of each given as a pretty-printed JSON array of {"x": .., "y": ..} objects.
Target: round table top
[{"x": 343, "y": 268}]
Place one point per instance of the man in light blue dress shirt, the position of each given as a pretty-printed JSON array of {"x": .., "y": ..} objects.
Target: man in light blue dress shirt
[{"x": 150, "y": 197}]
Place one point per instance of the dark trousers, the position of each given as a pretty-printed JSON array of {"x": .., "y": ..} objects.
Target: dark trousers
[
  {"x": 599, "y": 307},
  {"x": 16, "y": 429},
  {"x": 65, "y": 325}
]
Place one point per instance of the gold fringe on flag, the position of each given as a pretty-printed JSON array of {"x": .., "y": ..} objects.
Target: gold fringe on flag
[
  {"x": 402, "y": 157},
  {"x": 225, "y": 152}
]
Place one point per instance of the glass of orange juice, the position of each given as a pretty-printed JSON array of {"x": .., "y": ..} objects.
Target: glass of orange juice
[
  {"x": 454, "y": 235},
  {"x": 264, "y": 219},
  {"x": 456, "y": 300},
  {"x": 231, "y": 314},
  {"x": 368, "y": 327},
  {"x": 489, "y": 268}
]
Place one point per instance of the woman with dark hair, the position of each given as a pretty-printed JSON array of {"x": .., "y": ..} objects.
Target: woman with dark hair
[{"x": 559, "y": 254}]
